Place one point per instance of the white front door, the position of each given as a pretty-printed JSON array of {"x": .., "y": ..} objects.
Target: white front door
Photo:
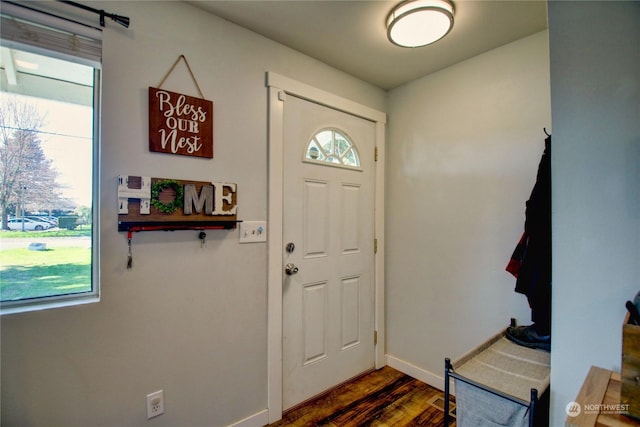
[{"x": 328, "y": 236}]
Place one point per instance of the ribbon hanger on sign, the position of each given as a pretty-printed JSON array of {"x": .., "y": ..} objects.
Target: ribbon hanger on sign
[{"x": 190, "y": 72}]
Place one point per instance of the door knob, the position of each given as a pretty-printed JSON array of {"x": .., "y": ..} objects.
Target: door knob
[{"x": 290, "y": 269}]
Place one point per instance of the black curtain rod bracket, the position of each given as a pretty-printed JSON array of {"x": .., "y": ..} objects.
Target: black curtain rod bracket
[{"x": 122, "y": 20}]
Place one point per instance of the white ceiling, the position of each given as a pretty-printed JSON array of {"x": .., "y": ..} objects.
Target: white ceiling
[{"x": 351, "y": 35}]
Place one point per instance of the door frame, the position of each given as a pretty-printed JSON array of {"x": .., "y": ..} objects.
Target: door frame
[{"x": 278, "y": 88}]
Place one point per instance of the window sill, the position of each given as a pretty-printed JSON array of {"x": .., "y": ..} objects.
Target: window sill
[{"x": 24, "y": 306}]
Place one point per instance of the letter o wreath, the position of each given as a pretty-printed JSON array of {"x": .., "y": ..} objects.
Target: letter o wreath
[{"x": 167, "y": 208}]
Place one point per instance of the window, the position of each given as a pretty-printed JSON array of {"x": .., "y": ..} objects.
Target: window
[
  {"x": 331, "y": 147},
  {"x": 49, "y": 145}
]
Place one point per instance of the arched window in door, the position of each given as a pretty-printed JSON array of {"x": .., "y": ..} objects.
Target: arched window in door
[{"x": 332, "y": 148}]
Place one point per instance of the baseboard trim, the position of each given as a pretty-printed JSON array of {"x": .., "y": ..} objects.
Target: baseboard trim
[
  {"x": 416, "y": 372},
  {"x": 259, "y": 419}
]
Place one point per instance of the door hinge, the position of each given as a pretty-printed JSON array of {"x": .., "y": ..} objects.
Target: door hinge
[
  {"x": 375, "y": 154},
  {"x": 375, "y": 337},
  {"x": 375, "y": 246}
]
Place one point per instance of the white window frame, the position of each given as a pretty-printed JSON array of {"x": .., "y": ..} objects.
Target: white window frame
[
  {"x": 89, "y": 52},
  {"x": 325, "y": 161}
]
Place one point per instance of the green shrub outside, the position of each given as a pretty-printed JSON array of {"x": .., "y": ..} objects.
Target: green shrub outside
[{"x": 69, "y": 222}]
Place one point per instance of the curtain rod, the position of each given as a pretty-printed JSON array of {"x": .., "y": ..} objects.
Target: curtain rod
[
  {"x": 122, "y": 20},
  {"x": 12, "y": 8}
]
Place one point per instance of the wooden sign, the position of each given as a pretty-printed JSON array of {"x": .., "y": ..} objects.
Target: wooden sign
[
  {"x": 171, "y": 202},
  {"x": 180, "y": 124}
]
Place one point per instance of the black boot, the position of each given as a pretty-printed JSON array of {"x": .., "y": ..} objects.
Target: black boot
[{"x": 527, "y": 336}]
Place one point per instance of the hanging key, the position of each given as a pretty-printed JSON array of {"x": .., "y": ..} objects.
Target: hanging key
[
  {"x": 202, "y": 236},
  {"x": 130, "y": 257}
]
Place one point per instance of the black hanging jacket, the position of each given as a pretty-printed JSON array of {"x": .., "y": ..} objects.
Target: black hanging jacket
[{"x": 531, "y": 261}]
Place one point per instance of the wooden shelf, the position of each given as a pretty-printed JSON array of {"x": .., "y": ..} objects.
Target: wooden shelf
[
  {"x": 599, "y": 400},
  {"x": 176, "y": 225}
]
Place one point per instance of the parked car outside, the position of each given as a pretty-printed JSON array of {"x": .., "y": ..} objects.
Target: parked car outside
[
  {"x": 29, "y": 224},
  {"x": 50, "y": 219}
]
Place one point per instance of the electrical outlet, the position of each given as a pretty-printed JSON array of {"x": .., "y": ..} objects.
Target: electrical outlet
[{"x": 155, "y": 404}]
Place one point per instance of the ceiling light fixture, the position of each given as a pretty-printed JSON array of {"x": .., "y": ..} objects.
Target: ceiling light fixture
[{"x": 415, "y": 23}]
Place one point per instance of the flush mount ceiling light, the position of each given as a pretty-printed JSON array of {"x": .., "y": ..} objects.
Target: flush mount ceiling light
[{"x": 415, "y": 23}]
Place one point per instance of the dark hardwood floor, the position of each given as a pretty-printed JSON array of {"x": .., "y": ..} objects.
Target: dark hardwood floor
[{"x": 385, "y": 397}]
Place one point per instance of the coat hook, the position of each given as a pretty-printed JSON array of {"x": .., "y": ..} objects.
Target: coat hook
[{"x": 545, "y": 132}]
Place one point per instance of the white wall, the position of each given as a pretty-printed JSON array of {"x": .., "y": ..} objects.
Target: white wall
[
  {"x": 595, "y": 82},
  {"x": 463, "y": 150},
  {"x": 185, "y": 319}
]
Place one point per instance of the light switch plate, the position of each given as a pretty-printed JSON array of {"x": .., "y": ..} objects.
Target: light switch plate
[{"x": 253, "y": 231}]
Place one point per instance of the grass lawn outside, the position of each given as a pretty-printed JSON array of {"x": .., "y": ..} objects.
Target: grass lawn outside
[
  {"x": 82, "y": 230},
  {"x": 26, "y": 273}
]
